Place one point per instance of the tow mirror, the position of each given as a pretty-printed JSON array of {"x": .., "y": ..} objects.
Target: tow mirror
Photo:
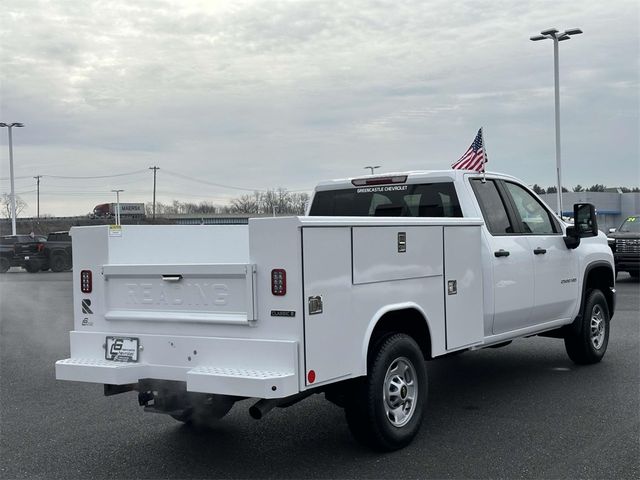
[{"x": 585, "y": 224}]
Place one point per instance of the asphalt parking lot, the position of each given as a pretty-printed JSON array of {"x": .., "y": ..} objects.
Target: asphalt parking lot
[{"x": 524, "y": 411}]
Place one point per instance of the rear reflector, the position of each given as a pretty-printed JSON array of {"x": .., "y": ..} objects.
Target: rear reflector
[
  {"x": 278, "y": 282},
  {"x": 361, "y": 182},
  {"x": 86, "y": 283}
]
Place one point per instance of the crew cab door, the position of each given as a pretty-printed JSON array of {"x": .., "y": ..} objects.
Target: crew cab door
[
  {"x": 554, "y": 265},
  {"x": 510, "y": 273}
]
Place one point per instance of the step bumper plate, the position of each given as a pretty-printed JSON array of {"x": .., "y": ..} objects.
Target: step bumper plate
[{"x": 246, "y": 368}]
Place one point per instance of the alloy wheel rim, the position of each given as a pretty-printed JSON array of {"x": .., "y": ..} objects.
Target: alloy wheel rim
[
  {"x": 597, "y": 327},
  {"x": 400, "y": 392}
]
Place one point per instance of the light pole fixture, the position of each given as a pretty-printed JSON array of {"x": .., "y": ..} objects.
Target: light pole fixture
[
  {"x": 13, "y": 189},
  {"x": 117, "y": 192},
  {"x": 372, "y": 168},
  {"x": 557, "y": 36}
]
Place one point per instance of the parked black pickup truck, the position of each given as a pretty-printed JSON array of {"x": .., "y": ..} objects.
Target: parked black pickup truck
[
  {"x": 625, "y": 243},
  {"x": 22, "y": 251},
  {"x": 57, "y": 251}
]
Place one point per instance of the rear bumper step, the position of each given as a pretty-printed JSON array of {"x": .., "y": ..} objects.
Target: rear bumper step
[
  {"x": 223, "y": 381},
  {"x": 224, "y": 366}
]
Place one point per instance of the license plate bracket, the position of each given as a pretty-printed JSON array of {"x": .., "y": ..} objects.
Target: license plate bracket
[{"x": 122, "y": 349}]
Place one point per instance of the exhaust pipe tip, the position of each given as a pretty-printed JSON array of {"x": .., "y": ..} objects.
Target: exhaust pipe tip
[
  {"x": 262, "y": 407},
  {"x": 255, "y": 412}
]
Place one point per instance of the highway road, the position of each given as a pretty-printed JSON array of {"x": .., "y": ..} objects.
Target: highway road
[{"x": 524, "y": 411}]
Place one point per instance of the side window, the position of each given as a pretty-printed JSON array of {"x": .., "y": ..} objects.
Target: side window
[
  {"x": 492, "y": 206},
  {"x": 535, "y": 218}
]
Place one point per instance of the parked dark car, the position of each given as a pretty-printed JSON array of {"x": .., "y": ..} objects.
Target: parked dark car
[
  {"x": 625, "y": 244},
  {"x": 22, "y": 251},
  {"x": 57, "y": 251}
]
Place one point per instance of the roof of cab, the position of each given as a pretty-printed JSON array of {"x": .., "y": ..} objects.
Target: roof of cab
[{"x": 413, "y": 176}]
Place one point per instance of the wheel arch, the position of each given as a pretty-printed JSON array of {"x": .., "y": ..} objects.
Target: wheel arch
[
  {"x": 599, "y": 274},
  {"x": 408, "y": 318}
]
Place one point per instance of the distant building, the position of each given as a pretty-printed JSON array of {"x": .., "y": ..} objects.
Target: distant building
[{"x": 612, "y": 207}]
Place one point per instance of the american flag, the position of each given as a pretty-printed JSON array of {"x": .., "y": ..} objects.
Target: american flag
[{"x": 474, "y": 158}]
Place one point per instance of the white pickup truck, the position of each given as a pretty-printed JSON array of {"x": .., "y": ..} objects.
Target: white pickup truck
[{"x": 385, "y": 272}]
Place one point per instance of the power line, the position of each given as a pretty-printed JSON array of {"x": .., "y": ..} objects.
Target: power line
[
  {"x": 185, "y": 177},
  {"x": 96, "y": 176}
]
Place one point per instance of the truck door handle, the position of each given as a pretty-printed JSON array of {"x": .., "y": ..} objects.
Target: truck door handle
[
  {"x": 501, "y": 253},
  {"x": 171, "y": 278},
  {"x": 540, "y": 251}
]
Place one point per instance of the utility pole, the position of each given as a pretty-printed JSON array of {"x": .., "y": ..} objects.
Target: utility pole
[
  {"x": 37, "y": 177},
  {"x": 372, "y": 168},
  {"x": 155, "y": 169}
]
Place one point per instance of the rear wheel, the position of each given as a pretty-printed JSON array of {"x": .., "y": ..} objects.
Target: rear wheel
[
  {"x": 386, "y": 407},
  {"x": 58, "y": 263},
  {"x": 590, "y": 344},
  {"x": 5, "y": 264}
]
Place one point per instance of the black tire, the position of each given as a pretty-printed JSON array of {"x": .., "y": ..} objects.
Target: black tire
[
  {"x": 589, "y": 345},
  {"x": 58, "y": 263},
  {"x": 5, "y": 264},
  {"x": 32, "y": 266},
  {"x": 397, "y": 378}
]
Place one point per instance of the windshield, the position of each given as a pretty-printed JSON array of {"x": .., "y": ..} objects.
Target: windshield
[
  {"x": 631, "y": 224},
  {"x": 423, "y": 200}
]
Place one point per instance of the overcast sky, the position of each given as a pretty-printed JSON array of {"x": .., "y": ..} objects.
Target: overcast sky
[{"x": 264, "y": 94}]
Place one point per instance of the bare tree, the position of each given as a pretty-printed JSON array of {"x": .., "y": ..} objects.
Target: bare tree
[{"x": 6, "y": 205}]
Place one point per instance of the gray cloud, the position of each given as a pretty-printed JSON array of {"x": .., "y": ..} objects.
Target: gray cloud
[{"x": 284, "y": 93}]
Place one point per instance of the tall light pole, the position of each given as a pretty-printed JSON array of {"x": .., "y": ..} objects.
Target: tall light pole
[
  {"x": 155, "y": 169},
  {"x": 117, "y": 192},
  {"x": 556, "y": 36},
  {"x": 38, "y": 177},
  {"x": 372, "y": 168},
  {"x": 13, "y": 189}
]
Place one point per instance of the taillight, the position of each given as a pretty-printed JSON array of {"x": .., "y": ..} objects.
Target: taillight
[
  {"x": 86, "y": 283},
  {"x": 278, "y": 282},
  {"x": 40, "y": 247}
]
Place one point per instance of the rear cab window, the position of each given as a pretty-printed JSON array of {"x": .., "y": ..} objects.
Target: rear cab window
[{"x": 409, "y": 200}]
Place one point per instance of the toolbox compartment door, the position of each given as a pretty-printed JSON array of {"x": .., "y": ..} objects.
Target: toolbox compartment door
[{"x": 205, "y": 293}]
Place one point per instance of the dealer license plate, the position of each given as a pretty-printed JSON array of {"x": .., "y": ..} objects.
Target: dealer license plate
[{"x": 122, "y": 349}]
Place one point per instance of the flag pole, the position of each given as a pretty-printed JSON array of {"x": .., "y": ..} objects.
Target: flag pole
[{"x": 486, "y": 158}]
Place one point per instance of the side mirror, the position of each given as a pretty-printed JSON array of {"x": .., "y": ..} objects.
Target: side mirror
[
  {"x": 572, "y": 239},
  {"x": 612, "y": 230},
  {"x": 585, "y": 224}
]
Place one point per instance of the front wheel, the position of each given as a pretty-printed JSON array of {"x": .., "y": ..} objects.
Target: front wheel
[
  {"x": 590, "y": 344},
  {"x": 32, "y": 266},
  {"x": 386, "y": 407}
]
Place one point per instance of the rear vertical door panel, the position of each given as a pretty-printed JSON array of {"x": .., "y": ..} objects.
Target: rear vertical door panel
[{"x": 327, "y": 274}]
